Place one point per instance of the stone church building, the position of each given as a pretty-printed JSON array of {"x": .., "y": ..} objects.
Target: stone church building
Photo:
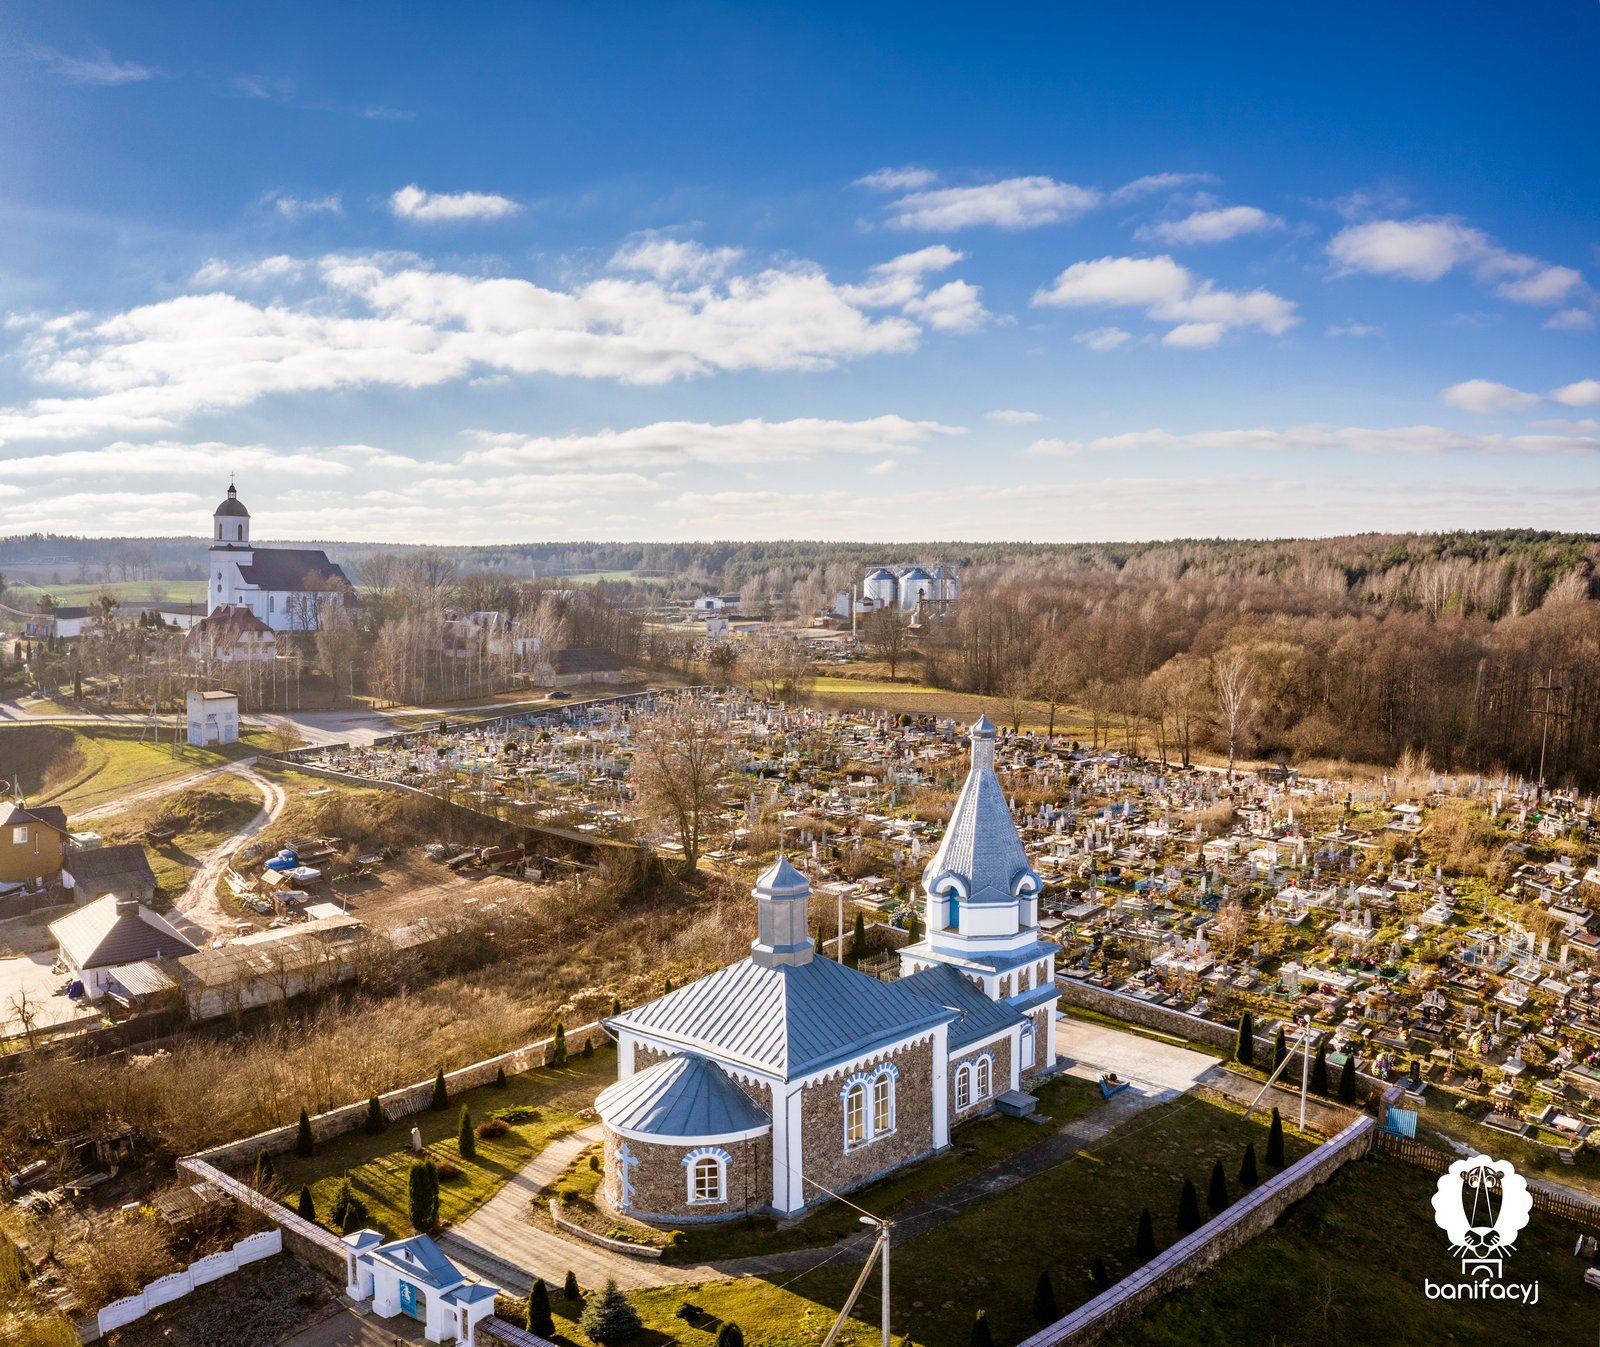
[
  {"x": 284, "y": 588},
  {"x": 773, "y": 1083}
]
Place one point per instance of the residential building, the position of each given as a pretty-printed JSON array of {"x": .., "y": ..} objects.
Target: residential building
[
  {"x": 213, "y": 718},
  {"x": 33, "y": 844},
  {"x": 97, "y": 940},
  {"x": 231, "y": 634}
]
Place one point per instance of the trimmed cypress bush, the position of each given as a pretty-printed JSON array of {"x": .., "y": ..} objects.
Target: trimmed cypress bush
[
  {"x": 558, "y": 1045},
  {"x": 914, "y": 927},
  {"x": 375, "y": 1122},
  {"x": 441, "y": 1096},
  {"x": 1244, "y": 1047},
  {"x": 306, "y": 1207},
  {"x": 588, "y": 1048},
  {"x": 616, "y": 1005},
  {"x": 1280, "y": 1049},
  {"x": 1099, "y": 1278},
  {"x": 1189, "y": 1208},
  {"x": 730, "y": 1335},
  {"x": 348, "y": 1212},
  {"x": 466, "y": 1142},
  {"x": 609, "y": 1316},
  {"x": 817, "y": 942},
  {"x": 1145, "y": 1244},
  {"x": 980, "y": 1336},
  {"x": 1275, "y": 1141},
  {"x": 1347, "y": 1081},
  {"x": 263, "y": 1167},
  {"x": 500, "y": 1078},
  {"x": 858, "y": 939},
  {"x": 1044, "y": 1301},
  {"x": 1319, "y": 1069},
  {"x": 423, "y": 1195},
  {"x": 304, "y": 1143},
  {"x": 1248, "y": 1177},
  {"x": 1217, "y": 1194},
  {"x": 537, "y": 1318},
  {"x": 569, "y": 1288}
]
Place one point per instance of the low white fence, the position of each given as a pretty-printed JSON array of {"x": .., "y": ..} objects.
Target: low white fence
[{"x": 251, "y": 1249}]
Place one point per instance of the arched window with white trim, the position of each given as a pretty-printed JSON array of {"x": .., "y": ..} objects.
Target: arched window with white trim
[
  {"x": 707, "y": 1175},
  {"x": 855, "y": 1115},
  {"x": 963, "y": 1086},
  {"x": 1026, "y": 1060},
  {"x": 984, "y": 1072},
  {"x": 882, "y": 1104}
]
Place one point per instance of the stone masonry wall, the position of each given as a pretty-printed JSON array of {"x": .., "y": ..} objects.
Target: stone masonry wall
[
  {"x": 661, "y": 1181},
  {"x": 1184, "y": 1261},
  {"x": 823, "y": 1155},
  {"x": 1001, "y": 1048}
]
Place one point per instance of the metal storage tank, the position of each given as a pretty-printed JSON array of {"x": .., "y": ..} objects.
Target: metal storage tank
[
  {"x": 916, "y": 587},
  {"x": 882, "y": 590}
]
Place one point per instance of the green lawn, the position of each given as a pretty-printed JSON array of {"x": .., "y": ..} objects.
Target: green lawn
[
  {"x": 380, "y": 1166},
  {"x": 974, "y": 1148},
  {"x": 1438, "y": 1116},
  {"x": 1345, "y": 1267},
  {"x": 990, "y": 1256},
  {"x": 113, "y": 762},
  {"x": 19, "y": 595}
]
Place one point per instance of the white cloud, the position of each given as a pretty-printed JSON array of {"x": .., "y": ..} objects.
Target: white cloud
[
  {"x": 883, "y": 466},
  {"x": 675, "y": 260},
  {"x": 1484, "y": 397},
  {"x": 1321, "y": 439},
  {"x": 298, "y": 207},
  {"x": 1168, "y": 293},
  {"x": 215, "y": 271},
  {"x": 1570, "y": 320},
  {"x": 1103, "y": 338},
  {"x": 1355, "y": 330},
  {"x": 99, "y": 68},
  {"x": 673, "y": 443},
  {"x": 1584, "y": 393},
  {"x": 388, "y": 321},
  {"x": 1153, "y": 184},
  {"x": 412, "y": 203},
  {"x": 264, "y": 87},
  {"x": 954, "y": 307},
  {"x": 1014, "y": 203},
  {"x": 907, "y": 179},
  {"x": 1194, "y": 336},
  {"x": 1426, "y": 249},
  {"x": 1211, "y": 226},
  {"x": 1009, "y": 416}
]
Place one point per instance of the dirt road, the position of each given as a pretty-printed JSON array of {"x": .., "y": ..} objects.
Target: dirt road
[{"x": 199, "y": 906}]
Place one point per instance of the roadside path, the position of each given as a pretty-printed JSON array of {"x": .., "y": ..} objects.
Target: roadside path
[{"x": 198, "y": 908}]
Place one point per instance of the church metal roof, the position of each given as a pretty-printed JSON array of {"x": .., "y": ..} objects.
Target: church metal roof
[
  {"x": 681, "y": 1097},
  {"x": 786, "y": 1021},
  {"x": 977, "y": 1016},
  {"x": 290, "y": 568},
  {"x": 981, "y": 847}
]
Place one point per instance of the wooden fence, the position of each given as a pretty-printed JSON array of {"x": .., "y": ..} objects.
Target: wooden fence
[{"x": 1567, "y": 1205}]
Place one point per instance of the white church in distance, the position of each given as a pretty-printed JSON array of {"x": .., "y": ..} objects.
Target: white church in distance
[{"x": 286, "y": 588}]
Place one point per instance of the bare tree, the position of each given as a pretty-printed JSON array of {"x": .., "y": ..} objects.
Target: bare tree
[
  {"x": 779, "y": 666},
  {"x": 681, "y": 757},
  {"x": 1051, "y": 675},
  {"x": 1229, "y": 928},
  {"x": 887, "y": 637},
  {"x": 1234, "y": 685}
]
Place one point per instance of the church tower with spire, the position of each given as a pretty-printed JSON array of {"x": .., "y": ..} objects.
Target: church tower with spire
[
  {"x": 230, "y": 549},
  {"x": 981, "y": 906}
]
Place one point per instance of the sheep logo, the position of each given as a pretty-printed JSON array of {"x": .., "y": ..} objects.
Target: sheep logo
[{"x": 1482, "y": 1205}]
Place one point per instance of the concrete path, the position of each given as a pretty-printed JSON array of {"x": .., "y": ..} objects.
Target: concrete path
[{"x": 1165, "y": 1070}]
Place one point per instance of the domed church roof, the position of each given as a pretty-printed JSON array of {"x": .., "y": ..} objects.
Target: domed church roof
[{"x": 231, "y": 507}]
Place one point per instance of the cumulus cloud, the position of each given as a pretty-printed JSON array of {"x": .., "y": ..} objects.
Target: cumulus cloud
[
  {"x": 1154, "y": 184},
  {"x": 668, "y": 444},
  {"x": 1485, "y": 397},
  {"x": 1168, "y": 293},
  {"x": 389, "y": 321},
  {"x": 1584, "y": 393},
  {"x": 675, "y": 260},
  {"x": 215, "y": 271},
  {"x": 956, "y": 306},
  {"x": 1321, "y": 439},
  {"x": 1010, "y": 416},
  {"x": 1355, "y": 330},
  {"x": 1428, "y": 248},
  {"x": 1013, "y": 203},
  {"x": 1103, "y": 338},
  {"x": 412, "y": 203},
  {"x": 97, "y": 68},
  {"x": 1571, "y": 320},
  {"x": 907, "y": 179},
  {"x": 1211, "y": 226}
]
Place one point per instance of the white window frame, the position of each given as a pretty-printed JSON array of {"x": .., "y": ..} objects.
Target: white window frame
[
  {"x": 856, "y": 1134},
  {"x": 983, "y": 1076},
  {"x": 963, "y": 1086},
  {"x": 882, "y": 1104},
  {"x": 1029, "y": 1047},
  {"x": 868, "y": 1098},
  {"x": 706, "y": 1159}
]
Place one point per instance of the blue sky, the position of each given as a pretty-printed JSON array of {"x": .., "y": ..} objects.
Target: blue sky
[{"x": 1056, "y": 272}]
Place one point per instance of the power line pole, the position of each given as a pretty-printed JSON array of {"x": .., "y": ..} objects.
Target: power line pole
[{"x": 1546, "y": 713}]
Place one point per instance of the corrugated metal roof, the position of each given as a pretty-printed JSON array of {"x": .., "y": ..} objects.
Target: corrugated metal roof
[
  {"x": 977, "y": 1016},
  {"x": 683, "y": 1096},
  {"x": 289, "y": 568},
  {"x": 981, "y": 846},
  {"x": 105, "y": 869},
  {"x": 141, "y": 979},
  {"x": 788, "y": 1020},
  {"x": 99, "y": 936},
  {"x": 422, "y": 1261}
]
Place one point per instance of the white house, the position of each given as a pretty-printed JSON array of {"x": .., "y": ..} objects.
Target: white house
[
  {"x": 412, "y": 1277},
  {"x": 213, "y": 718},
  {"x": 102, "y": 938},
  {"x": 288, "y": 588}
]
